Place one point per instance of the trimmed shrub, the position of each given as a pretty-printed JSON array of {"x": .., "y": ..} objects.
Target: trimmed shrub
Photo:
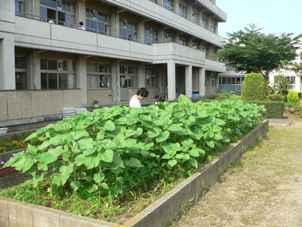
[
  {"x": 274, "y": 109},
  {"x": 276, "y": 97},
  {"x": 293, "y": 98},
  {"x": 254, "y": 87}
]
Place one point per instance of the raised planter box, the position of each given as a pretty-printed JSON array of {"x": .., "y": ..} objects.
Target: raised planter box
[{"x": 159, "y": 214}]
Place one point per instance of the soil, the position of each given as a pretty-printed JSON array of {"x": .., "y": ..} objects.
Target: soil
[{"x": 263, "y": 190}]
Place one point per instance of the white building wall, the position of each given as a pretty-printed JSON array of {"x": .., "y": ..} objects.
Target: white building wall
[{"x": 41, "y": 37}]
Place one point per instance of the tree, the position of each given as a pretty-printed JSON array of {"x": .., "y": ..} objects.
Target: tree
[{"x": 251, "y": 50}]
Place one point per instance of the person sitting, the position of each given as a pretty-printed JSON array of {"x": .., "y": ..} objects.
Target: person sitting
[{"x": 135, "y": 101}]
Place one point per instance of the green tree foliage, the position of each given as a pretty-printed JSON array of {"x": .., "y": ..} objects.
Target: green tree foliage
[
  {"x": 251, "y": 50},
  {"x": 293, "y": 98},
  {"x": 113, "y": 150},
  {"x": 254, "y": 87}
]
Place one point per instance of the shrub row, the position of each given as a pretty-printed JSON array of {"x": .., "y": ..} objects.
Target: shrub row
[
  {"x": 274, "y": 109},
  {"x": 113, "y": 150}
]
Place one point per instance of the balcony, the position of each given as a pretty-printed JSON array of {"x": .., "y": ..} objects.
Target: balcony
[
  {"x": 214, "y": 66},
  {"x": 36, "y": 34},
  {"x": 160, "y": 14},
  {"x": 211, "y": 6},
  {"x": 180, "y": 54}
]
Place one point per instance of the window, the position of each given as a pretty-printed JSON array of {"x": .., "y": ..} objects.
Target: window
[
  {"x": 183, "y": 40},
  {"x": 58, "y": 11},
  {"x": 168, "y": 36},
  {"x": 195, "y": 44},
  {"x": 291, "y": 80},
  {"x": 205, "y": 20},
  {"x": 128, "y": 76},
  {"x": 168, "y": 4},
  {"x": 183, "y": 10},
  {"x": 19, "y": 7},
  {"x": 99, "y": 75},
  {"x": 195, "y": 15},
  {"x": 152, "y": 77},
  {"x": 57, "y": 74},
  {"x": 128, "y": 30},
  {"x": 151, "y": 35},
  {"x": 21, "y": 74},
  {"x": 97, "y": 21}
]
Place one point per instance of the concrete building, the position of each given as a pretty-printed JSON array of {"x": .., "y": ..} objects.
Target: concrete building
[
  {"x": 230, "y": 81},
  {"x": 293, "y": 77},
  {"x": 73, "y": 53}
]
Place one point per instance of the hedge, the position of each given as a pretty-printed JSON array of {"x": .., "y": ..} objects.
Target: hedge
[
  {"x": 274, "y": 109},
  {"x": 254, "y": 87}
]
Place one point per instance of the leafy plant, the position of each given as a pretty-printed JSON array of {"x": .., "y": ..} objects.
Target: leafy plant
[
  {"x": 110, "y": 151},
  {"x": 254, "y": 87},
  {"x": 293, "y": 98},
  {"x": 281, "y": 84}
]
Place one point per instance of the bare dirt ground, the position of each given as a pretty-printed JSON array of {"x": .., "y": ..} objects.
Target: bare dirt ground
[{"x": 263, "y": 190}]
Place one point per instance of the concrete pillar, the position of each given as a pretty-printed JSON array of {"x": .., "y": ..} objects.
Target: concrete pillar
[
  {"x": 141, "y": 76},
  {"x": 161, "y": 35},
  {"x": 190, "y": 12},
  {"x": 189, "y": 80},
  {"x": 7, "y": 10},
  {"x": 33, "y": 70},
  {"x": 171, "y": 75},
  {"x": 32, "y": 8},
  {"x": 70, "y": 77},
  {"x": 36, "y": 70},
  {"x": 116, "y": 82},
  {"x": 202, "y": 82},
  {"x": 81, "y": 73},
  {"x": 80, "y": 12},
  {"x": 176, "y": 6},
  {"x": 298, "y": 84},
  {"x": 7, "y": 63},
  {"x": 115, "y": 24},
  {"x": 141, "y": 32}
]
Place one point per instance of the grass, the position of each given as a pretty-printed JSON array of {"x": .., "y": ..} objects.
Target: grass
[
  {"x": 93, "y": 206},
  {"x": 117, "y": 211}
]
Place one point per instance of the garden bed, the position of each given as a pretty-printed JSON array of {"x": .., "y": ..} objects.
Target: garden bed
[
  {"x": 111, "y": 163},
  {"x": 160, "y": 213}
]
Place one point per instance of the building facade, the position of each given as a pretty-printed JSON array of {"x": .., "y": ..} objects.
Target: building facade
[
  {"x": 231, "y": 81},
  {"x": 293, "y": 77},
  {"x": 73, "y": 53}
]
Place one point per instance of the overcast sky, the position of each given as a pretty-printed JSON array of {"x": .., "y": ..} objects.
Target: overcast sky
[{"x": 275, "y": 16}]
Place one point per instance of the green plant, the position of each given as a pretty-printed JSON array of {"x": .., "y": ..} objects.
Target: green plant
[
  {"x": 274, "y": 109},
  {"x": 254, "y": 87},
  {"x": 110, "y": 151},
  {"x": 293, "y": 98},
  {"x": 276, "y": 97},
  {"x": 281, "y": 84},
  {"x": 227, "y": 95}
]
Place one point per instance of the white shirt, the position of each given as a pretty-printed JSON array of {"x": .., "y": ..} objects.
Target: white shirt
[{"x": 135, "y": 102}]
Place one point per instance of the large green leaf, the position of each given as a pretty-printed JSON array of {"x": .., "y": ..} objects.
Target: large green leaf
[
  {"x": 109, "y": 126},
  {"x": 107, "y": 156}
]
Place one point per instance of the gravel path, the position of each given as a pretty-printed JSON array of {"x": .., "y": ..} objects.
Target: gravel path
[{"x": 263, "y": 190}]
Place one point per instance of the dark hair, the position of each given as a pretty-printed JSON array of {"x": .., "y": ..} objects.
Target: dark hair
[
  {"x": 81, "y": 23},
  {"x": 142, "y": 92}
]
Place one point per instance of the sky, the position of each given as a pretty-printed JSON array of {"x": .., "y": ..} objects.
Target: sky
[{"x": 274, "y": 16}]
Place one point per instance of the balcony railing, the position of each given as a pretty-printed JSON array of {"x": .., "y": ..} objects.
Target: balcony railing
[{"x": 195, "y": 20}]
